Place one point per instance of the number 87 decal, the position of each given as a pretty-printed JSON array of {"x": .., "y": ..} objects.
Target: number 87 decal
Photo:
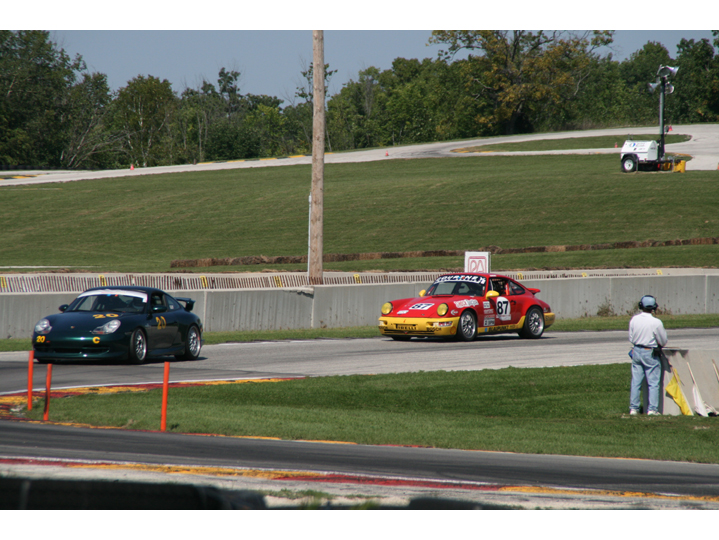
[{"x": 504, "y": 312}]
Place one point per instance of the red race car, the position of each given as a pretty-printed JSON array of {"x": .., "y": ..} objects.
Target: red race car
[{"x": 464, "y": 305}]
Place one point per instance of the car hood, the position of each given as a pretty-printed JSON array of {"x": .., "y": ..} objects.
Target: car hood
[
  {"x": 427, "y": 306},
  {"x": 81, "y": 321}
]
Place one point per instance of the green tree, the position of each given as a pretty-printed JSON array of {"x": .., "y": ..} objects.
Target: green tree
[
  {"x": 638, "y": 71},
  {"x": 523, "y": 78},
  {"x": 697, "y": 82},
  {"x": 90, "y": 141},
  {"x": 143, "y": 115},
  {"x": 35, "y": 80}
]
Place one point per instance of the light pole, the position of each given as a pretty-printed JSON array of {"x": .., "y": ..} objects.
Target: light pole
[{"x": 663, "y": 74}]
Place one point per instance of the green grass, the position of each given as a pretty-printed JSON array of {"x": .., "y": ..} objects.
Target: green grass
[
  {"x": 561, "y": 325},
  {"x": 574, "y": 143},
  {"x": 563, "y": 410},
  {"x": 141, "y": 224}
]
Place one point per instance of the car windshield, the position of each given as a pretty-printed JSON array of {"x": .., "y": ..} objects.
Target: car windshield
[
  {"x": 110, "y": 301},
  {"x": 465, "y": 285}
]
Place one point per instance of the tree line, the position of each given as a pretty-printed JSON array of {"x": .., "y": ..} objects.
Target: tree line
[{"x": 54, "y": 113}]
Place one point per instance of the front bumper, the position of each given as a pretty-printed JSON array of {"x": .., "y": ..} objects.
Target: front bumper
[
  {"x": 78, "y": 348},
  {"x": 404, "y": 326}
]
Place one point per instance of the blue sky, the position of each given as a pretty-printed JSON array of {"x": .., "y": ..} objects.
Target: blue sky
[
  {"x": 270, "y": 44},
  {"x": 271, "y": 62}
]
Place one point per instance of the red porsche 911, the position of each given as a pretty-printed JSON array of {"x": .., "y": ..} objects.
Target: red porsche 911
[{"x": 465, "y": 305}]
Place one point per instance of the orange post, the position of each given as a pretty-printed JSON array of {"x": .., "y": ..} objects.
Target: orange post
[
  {"x": 29, "y": 380},
  {"x": 165, "y": 385},
  {"x": 48, "y": 384}
]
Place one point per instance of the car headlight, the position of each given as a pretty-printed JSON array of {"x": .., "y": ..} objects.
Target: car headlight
[
  {"x": 107, "y": 328},
  {"x": 442, "y": 310},
  {"x": 386, "y": 308},
  {"x": 43, "y": 326}
]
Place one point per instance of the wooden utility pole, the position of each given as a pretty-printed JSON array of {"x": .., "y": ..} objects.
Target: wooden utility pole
[{"x": 318, "y": 160}]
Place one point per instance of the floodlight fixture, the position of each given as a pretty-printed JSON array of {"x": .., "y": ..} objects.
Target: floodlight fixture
[
  {"x": 653, "y": 86},
  {"x": 666, "y": 71}
]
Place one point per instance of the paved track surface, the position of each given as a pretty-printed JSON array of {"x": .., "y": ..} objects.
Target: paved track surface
[
  {"x": 393, "y": 473},
  {"x": 703, "y": 147},
  {"x": 313, "y": 358}
]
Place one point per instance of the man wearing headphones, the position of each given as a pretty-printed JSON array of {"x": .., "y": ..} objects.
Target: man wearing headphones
[{"x": 647, "y": 335}]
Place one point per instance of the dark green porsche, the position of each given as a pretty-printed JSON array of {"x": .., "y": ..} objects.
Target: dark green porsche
[{"x": 119, "y": 323}]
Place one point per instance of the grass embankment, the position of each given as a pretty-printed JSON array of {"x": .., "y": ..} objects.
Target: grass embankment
[
  {"x": 572, "y": 411},
  {"x": 141, "y": 224}
]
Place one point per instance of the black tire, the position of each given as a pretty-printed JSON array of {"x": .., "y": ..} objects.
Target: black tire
[
  {"x": 401, "y": 338},
  {"x": 138, "y": 347},
  {"x": 467, "y": 326},
  {"x": 630, "y": 163},
  {"x": 193, "y": 344},
  {"x": 533, "y": 324}
]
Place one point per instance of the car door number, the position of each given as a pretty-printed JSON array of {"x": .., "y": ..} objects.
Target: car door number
[{"x": 504, "y": 312}]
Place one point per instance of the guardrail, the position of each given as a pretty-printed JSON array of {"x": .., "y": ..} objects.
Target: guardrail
[{"x": 58, "y": 282}]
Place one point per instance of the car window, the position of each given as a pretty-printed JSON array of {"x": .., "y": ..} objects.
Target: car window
[
  {"x": 500, "y": 285},
  {"x": 118, "y": 303},
  {"x": 515, "y": 289},
  {"x": 172, "y": 305},
  {"x": 156, "y": 300},
  {"x": 466, "y": 285}
]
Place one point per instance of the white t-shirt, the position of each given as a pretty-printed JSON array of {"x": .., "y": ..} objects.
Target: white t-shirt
[{"x": 645, "y": 329}]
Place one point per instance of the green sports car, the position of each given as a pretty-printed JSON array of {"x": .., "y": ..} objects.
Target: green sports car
[{"x": 119, "y": 324}]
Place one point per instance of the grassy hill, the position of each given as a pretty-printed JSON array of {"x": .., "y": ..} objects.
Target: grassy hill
[{"x": 141, "y": 224}]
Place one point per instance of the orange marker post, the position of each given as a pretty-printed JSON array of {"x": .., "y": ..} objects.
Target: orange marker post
[
  {"x": 29, "y": 380},
  {"x": 48, "y": 384},
  {"x": 165, "y": 385}
]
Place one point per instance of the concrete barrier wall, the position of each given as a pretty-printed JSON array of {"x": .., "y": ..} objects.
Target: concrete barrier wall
[
  {"x": 359, "y": 305},
  {"x": 20, "y": 312}
]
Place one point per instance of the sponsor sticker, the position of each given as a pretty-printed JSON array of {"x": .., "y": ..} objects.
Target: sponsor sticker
[
  {"x": 488, "y": 322},
  {"x": 487, "y": 304},
  {"x": 402, "y": 312},
  {"x": 466, "y": 303},
  {"x": 460, "y": 277}
]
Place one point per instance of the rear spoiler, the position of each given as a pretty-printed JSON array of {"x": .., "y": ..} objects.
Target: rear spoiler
[
  {"x": 533, "y": 291},
  {"x": 189, "y": 303}
]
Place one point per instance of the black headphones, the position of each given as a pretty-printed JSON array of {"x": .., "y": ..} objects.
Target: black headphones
[{"x": 648, "y": 302}]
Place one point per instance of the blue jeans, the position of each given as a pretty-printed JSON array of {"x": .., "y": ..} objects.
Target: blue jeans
[{"x": 645, "y": 364}]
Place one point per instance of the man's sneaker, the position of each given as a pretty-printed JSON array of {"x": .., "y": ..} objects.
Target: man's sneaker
[
  {"x": 633, "y": 412},
  {"x": 654, "y": 413}
]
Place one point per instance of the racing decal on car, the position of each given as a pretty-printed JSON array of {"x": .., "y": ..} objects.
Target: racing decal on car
[
  {"x": 488, "y": 322},
  {"x": 504, "y": 312},
  {"x": 455, "y": 312},
  {"x": 466, "y": 303},
  {"x": 471, "y": 279},
  {"x": 402, "y": 312},
  {"x": 487, "y": 304},
  {"x": 421, "y": 306}
]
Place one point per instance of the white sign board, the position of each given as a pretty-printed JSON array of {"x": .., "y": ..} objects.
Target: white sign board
[{"x": 476, "y": 261}]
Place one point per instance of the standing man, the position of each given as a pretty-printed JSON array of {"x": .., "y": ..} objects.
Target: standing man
[{"x": 647, "y": 335}]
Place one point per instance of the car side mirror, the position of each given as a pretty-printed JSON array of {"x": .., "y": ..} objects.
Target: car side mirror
[
  {"x": 492, "y": 294},
  {"x": 63, "y": 307},
  {"x": 159, "y": 309},
  {"x": 422, "y": 292}
]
